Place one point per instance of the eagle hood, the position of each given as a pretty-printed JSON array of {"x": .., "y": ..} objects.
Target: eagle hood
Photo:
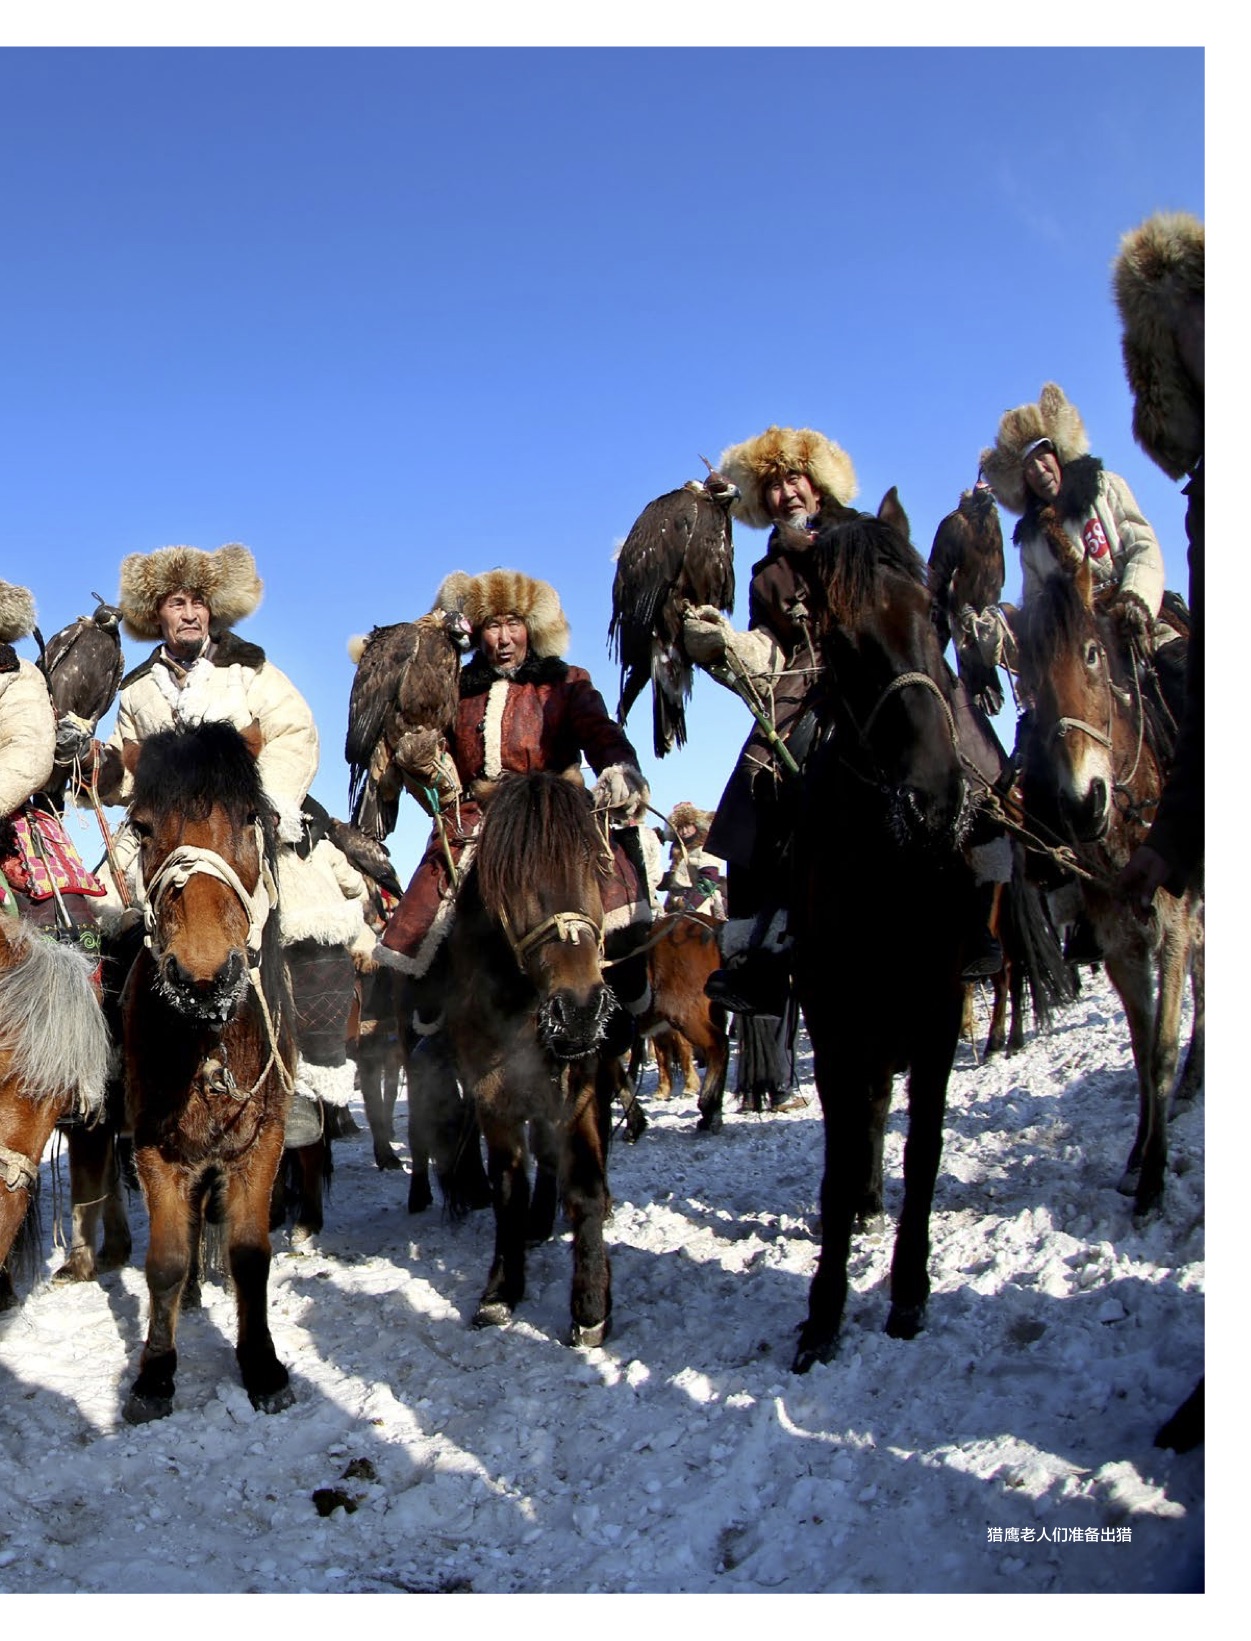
[
  {"x": 226, "y": 579},
  {"x": 1053, "y": 418},
  {"x": 508, "y": 592},
  {"x": 777, "y": 451},
  {"x": 1157, "y": 281}
]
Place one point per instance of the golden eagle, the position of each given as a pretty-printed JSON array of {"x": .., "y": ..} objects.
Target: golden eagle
[
  {"x": 679, "y": 553},
  {"x": 83, "y": 665},
  {"x": 966, "y": 580},
  {"x": 404, "y": 696}
]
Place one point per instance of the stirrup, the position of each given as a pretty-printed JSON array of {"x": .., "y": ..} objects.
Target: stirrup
[{"x": 985, "y": 961}]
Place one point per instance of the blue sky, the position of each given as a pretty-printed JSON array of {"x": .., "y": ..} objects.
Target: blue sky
[{"x": 381, "y": 314}]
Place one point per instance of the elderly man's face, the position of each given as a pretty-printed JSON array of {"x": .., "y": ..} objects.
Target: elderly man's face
[
  {"x": 504, "y": 641},
  {"x": 184, "y": 620},
  {"x": 791, "y": 499},
  {"x": 1042, "y": 474}
]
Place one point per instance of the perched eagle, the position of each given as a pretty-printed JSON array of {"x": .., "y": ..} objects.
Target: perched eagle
[
  {"x": 966, "y": 580},
  {"x": 83, "y": 665},
  {"x": 679, "y": 553},
  {"x": 405, "y": 689}
]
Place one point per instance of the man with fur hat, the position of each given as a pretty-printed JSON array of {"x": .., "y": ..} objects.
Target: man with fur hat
[
  {"x": 1158, "y": 284},
  {"x": 521, "y": 708},
  {"x": 796, "y": 481},
  {"x": 694, "y": 879},
  {"x": 1073, "y": 511},
  {"x": 201, "y": 670}
]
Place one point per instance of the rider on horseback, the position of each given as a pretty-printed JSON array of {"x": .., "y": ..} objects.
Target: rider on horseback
[
  {"x": 191, "y": 600},
  {"x": 795, "y": 480}
]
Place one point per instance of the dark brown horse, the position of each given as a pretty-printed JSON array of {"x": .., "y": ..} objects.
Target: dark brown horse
[
  {"x": 1093, "y": 773},
  {"x": 884, "y": 901},
  {"x": 54, "y": 1053},
  {"x": 208, "y": 1043},
  {"x": 537, "y": 1031}
]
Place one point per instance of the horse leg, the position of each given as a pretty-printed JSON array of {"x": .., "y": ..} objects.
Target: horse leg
[
  {"x": 443, "y": 1127},
  {"x": 95, "y": 1193},
  {"x": 631, "y": 1105},
  {"x": 849, "y": 1094},
  {"x": 247, "y": 1193},
  {"x": 586, "y": 1202},
  {"x": 1191, "y": 1080},
  {"x": 714, "y": 1044},
  {"x": 510, "y": 1190},
  {"x": 546, "y": 1151},
  {"x": 1173, "y": 969},
  {"x": 927, "y": 1101},
  {"x": 313, "y": 1167},
  {"x": 684, "y": 1054},
  {"x": 379, "y": 1105},
  {"x": 1016, "y": 993},
  {"x": 25, "y": 1129},
  {"x": 1131, "y": 975},
  {"x": 172, "y": 1223},
  {"x": 997, "y": 1037}
]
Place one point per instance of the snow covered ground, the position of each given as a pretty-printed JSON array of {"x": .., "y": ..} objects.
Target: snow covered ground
[{"x": 1008, "y": 1449}]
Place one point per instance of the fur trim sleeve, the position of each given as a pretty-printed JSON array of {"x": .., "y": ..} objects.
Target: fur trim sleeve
[
  {"x": 1142, "y": 568},
  {"x": 27, "y": 736},
  {"x": 289, "y": 755}
]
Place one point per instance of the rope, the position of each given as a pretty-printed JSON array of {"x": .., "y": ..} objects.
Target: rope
[{"x": 18, "y": 1172}]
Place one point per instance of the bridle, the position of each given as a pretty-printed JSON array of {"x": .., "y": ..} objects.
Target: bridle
[
  {"x": 182, "y": 864},
  {"x": 1062, "y": 726},
  {"x": 566, "y": 927}
]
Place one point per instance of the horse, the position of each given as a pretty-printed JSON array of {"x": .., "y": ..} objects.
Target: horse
[
  {"x": 682, "y": 953},
  {"x": 537, "y": 1034},
  {"x": 1093, "y": 771},
  {"x": 54, "y": 1055},
  {"x": 884, "y": 901},
  {"x": 208, "y": 1043},
  {"x": 1032, "y": 962}
]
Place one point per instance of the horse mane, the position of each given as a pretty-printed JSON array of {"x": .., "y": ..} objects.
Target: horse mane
[
  {"x": 851, "y": 560},
  {"x": 536, "y": 829},
  {"x": 1053, "y": 621},
  {"x": 52, "y": 1031},
  {"x": 193, "y": 767}
]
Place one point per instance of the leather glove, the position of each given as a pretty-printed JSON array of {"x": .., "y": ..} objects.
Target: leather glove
[
  {"x": 1134, "y": 620},
  {"x": 622, "y": 791},
  {"x": 422, "y": 755},
  {"x": 705, "y": 632}
]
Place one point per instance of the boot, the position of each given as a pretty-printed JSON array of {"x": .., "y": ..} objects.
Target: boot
[
  {"x": 1081, "y": 944},
  {"x": 755, "y": 981}
]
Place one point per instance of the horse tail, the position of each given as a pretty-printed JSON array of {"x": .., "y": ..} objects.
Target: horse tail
[
  {"x": 51, "y": 1025},
  {"x": 1032, "y": 941},
  {"x": 25, "y": 1259}
]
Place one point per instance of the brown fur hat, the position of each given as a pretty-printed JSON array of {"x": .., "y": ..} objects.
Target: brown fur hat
[
  {"x": 508, "y": 592},
  {"x": 1157, "y": 280},
  {"x": 17, "y": 612},
  {"x": 226, "y": 579},
  {"x": 776, "y": 452},
  {"x": 686, "y": 814},
  {"x": 1054, "y": 418}
]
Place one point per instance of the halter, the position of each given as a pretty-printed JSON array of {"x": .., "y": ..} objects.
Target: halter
[
  {"x": 1062, "y": 726},
  {"x": 900, "y": 681},
  {"x": 567, "y": 927},
  {"x": 174, "y": 872}
]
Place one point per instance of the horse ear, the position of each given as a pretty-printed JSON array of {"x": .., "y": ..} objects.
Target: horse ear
[
  {"x": 130, "y": 755},
  {"x": 891, "y": 512},
  {"x": 253, "y": 739},
  {"x": 1085, "y": 584}
]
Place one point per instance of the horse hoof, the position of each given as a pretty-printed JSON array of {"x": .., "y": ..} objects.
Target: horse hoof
[
  {"x": 809, "y": 1352},
  {"x": 144, "y": 1409},
  {"x": 420, "y": 1196},
  {"x": 1129, "y": 1181},
  {"x": 303, "y": 1240},
  {"x": 905, "y": 1321},
  {"x": 492, "y": 1313},
  {"x": 635, "y": 1129},
  {"x": 591, "y": 1337},
  {"x": 79, "y": 1267},
  {"x": 871, "y": 1224},
  {"x": 709, "y": 1123},
  {"x": 387, "y": 1160},
  {"x": 272, "y": 1401}
]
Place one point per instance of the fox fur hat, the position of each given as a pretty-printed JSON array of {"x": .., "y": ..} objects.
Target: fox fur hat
[
  {"x": 1157, "y": 281},
  {"x": 226, "y": 579},
  {"x": 509, "y": 592},
  {"x": 772, "y": 455},
  {"x": 17, "y": 612},
  {"x": 1053, "y": 418},
  {"x": 686, "y": 814}
]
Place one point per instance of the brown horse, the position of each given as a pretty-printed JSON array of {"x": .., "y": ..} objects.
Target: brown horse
[
  {"x": 208, "y": 1043},
  {"x": 54, "y": 1052},
  {"x": 1093, "y": 773},
  {"x": 537, "y": 1033},
  {"x": 682, "y": 953}
]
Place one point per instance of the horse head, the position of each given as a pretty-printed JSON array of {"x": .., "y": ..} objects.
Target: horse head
[
  {"x": 539, "y": 865},
  {"x": 206, "y": 858},
  {"x": 888, "y": 690},
  {"x": 1071, "y": 674}
]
